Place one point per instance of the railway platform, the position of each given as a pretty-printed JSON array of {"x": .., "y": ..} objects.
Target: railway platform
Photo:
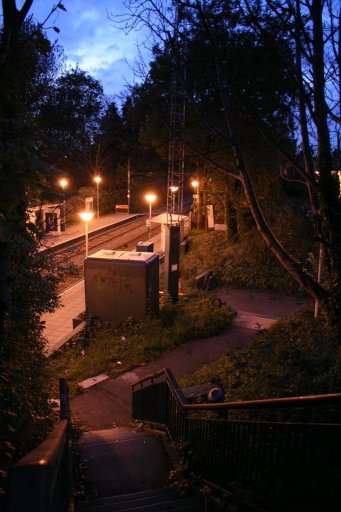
[
  {"x": 59, "y": 326},
  {"x": 255, "y": 311},
  {"x": 77, "y": 230}
]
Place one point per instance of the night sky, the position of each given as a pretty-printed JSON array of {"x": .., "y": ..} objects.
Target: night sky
[{"x": 90, "y": 40}]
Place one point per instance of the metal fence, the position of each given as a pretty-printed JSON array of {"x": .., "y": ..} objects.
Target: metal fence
[{"x": 281, "y": 466}]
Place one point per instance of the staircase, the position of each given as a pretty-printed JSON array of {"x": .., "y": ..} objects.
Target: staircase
[{"x": 127, "y": 471}]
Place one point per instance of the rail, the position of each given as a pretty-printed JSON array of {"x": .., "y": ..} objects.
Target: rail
[
  {"x": 93, "y": 234},
  {"x": 282, "y": 465},
  {"x": 40, "y": 481}
]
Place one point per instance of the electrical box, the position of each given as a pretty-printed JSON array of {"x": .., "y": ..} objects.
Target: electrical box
[
  {"x": 121, "y": 284},
  {"x": 172, "y": 258},
  {"x": 145, "y": 247}
]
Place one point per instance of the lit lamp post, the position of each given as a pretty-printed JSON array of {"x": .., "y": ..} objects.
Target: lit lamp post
[
  {"x": 63, "y": 184},
  {"x": 86, "y": 217},
  {"x": 97, "y": 180},
  {"x": 150, "y": 198},
  {"x": 195, "y": 184},
  {"x": 173, "y": 190}
]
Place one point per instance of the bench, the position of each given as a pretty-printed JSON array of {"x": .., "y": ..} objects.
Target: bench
[
  {"x": 206, "y": 280},
  {"x": 121, "y": 208}
]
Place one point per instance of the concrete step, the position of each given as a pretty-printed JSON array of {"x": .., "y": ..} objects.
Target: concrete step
[
  {"x": 153, "y": 501},
  {"x": 113, "y": 435},
  {"x": 121, "y": 498},
  {"x": 122, "y": 461}
]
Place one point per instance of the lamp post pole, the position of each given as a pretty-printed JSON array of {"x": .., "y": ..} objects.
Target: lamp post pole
[
  {"x": 63, "y": 183},
  {"x": 128, "y": 192},
  {"x": 150, "y": 198},
  {"x": 195, "y": 184},
  {"x": 98, "y": 180},
  {"x": 173, "y": 190},
  {"x": 86, "y": 217}
]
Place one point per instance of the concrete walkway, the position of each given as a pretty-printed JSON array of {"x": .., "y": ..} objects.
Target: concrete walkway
[
  {"x": 108, "y": 403},
  {"x": 77, "y": 230}
]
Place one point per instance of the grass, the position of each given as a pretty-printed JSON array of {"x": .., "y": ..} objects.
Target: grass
[
  {"x": 297, "y": 355},
  {"x": 114, "y": 349}
]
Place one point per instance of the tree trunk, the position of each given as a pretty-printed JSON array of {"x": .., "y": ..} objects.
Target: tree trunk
[{"x": 330, "y": 210}]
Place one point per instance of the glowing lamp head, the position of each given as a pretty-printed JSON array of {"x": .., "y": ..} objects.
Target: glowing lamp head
[
  {"x": 97, "y": 179},
  {"x": 195, "y": 183},
  {"x": 63, "y": 183},
  {"x": 150, "y": 197},
  {"x": 86, "y": 216},
  {"x": 174, "y": 189}
]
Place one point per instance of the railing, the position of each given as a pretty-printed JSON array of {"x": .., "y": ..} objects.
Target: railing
[
  {"x": 283, "y": 466},
  {"x": 40, "y": 481}
]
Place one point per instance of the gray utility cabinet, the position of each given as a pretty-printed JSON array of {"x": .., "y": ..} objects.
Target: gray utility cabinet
[
  {"x": 145, "y": 247},
  {"x": 121, "y": 284}
]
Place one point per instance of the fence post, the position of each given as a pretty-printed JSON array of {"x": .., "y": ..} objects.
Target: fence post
[{"x": 64, "y": 400}]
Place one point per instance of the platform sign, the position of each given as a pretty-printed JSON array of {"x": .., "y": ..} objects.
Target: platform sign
[
  {"x": 210, "y": 216},
  {"x": 89, "y": 204}
]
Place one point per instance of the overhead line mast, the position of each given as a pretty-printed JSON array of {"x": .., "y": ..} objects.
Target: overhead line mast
[
  {"x": 176, "y": 149},
  {"x": 176, "y": 154}
]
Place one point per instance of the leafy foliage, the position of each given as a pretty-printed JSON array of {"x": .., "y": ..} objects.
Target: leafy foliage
[
  {"x": 261, "y": 105},
  {"x": 296, "y": 356},
  {"x": 206, "y": 250},
  {"x": 65, "y": 139},
  {"x": 247, "y": 264},
  {"x": 24, "y": 381}
]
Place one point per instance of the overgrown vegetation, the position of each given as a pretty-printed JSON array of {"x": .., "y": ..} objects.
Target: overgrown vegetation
[
  {"x": 246, "y": 264},
  {"x": 296, "y": 356},
  {"x": 114, "y": 349},
  {"x": 26, "y": 414}
]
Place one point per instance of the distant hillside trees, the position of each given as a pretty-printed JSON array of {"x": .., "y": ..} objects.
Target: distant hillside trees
[
  {"x": 258, "y": 81},
  {"x": 68, "y": 121},
  {"x": 27, "y": 281}
]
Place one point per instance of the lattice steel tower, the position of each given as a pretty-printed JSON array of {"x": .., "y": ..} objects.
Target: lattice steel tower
[{"x": 176, "y": 150}]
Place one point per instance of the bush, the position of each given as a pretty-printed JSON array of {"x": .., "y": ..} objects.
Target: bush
[
  {"x": 206, "y": 251},
  {"x": 26, "y": 413},
  {"x": 296, "y": 356},
  {"x": 247, "y": 264}
]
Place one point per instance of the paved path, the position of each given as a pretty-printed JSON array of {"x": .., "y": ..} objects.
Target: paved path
[
  {"x": 108, "y": 403},
  {"x": 59, "y": 326}
]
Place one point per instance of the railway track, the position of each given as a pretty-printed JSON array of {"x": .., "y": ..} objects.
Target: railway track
[{"x": 115, "y": 239}]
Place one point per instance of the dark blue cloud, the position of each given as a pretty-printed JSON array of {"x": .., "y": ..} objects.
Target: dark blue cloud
[{"x": 90, "y": 41}]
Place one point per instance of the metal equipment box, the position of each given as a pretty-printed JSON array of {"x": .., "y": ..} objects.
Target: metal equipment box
[
  {"x": 145, "y": 247},
  {"x": 121, "y": 284}
]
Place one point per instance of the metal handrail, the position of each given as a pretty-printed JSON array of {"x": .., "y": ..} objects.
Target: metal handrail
[
  {"x": 296, "y": 401},
  {"x": 41, "y": 479},
  {"x": 285, "y": 460}
]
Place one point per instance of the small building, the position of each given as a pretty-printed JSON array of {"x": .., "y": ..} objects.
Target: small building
[
  {"x": 183, "y": 220},
  {"x": 121, "y": 284},
  {"x": 47, "y": 217}
]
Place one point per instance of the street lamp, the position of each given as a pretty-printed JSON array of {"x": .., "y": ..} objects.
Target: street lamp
[
  {"x": 63, "y": 184},
  {"x": 150, "y": 198},
  {"x": 173, "y": 190},
  {"x": 97, "y": 180},
  {"x": 86, "y": 217},
  {"x": 195, "y": 184}
]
